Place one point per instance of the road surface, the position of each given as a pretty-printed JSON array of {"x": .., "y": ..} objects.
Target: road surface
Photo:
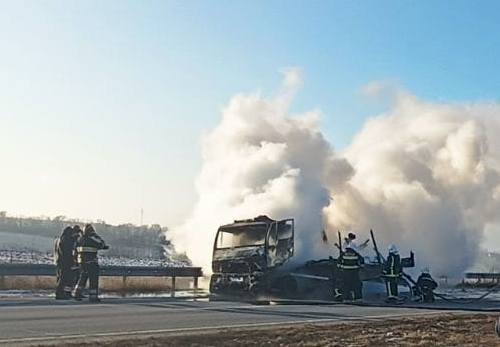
[{"x": 24, "y": 321}]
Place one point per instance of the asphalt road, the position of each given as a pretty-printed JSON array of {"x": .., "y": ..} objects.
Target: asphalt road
[{"x": 37, "y": 321}]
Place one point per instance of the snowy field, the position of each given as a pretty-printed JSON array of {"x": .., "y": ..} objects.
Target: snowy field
[
  {"x": 27, "y": 256},
  {"x": 31, "y": 249},
  {"x": 18, "y": 241}
]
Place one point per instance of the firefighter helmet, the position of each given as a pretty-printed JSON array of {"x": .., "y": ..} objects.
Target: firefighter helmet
[
  {"x": 88, "y": 229},
  {"x": 393, "y": 249}
]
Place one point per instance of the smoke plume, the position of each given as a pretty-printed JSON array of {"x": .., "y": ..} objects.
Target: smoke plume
[
  {"x": 425, "y": 176},
  {"x": 261, "y": 160}
]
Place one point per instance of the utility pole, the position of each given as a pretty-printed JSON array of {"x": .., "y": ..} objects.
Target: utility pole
[{"x": 142, "y": 216}]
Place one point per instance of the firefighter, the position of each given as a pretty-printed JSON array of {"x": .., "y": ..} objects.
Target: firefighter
[
  {"x": 350, "y": 241},
  {"x": 350, "y": 264},
  {"x": 425, "y": 286},
  {"x": 63, "y": 252},
  {"x": 392, "y": 272},
  {"x": 77, "y": 233},
  {"x": 87, "y": 247}
]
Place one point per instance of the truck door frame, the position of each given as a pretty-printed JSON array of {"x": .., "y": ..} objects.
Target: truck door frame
[{"x": 273, "y": 259}]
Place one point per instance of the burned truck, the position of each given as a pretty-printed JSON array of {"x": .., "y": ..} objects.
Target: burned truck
[
  {"x": 246, "y": 255},
  {"x": 252, "y": 261}
]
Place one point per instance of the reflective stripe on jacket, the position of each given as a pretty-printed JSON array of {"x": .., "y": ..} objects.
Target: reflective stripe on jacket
[
  {"x": 350, "y": 260},
  {"x": 393, "y": 266},
  {"x": 425, "y": 281},
  {"x": 87, "y": 247}
]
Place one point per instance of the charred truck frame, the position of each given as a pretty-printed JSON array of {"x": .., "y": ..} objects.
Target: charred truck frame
[
  {"x": 247, "y": 252},
  {"x": 251, "y": 262}
]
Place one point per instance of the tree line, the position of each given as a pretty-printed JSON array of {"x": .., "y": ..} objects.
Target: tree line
[{"x": 126, "y": 240}]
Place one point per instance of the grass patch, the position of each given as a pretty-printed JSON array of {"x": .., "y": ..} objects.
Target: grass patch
[
  {"x": 447, "y": 330},
  {"x": 107, "y": 284}
]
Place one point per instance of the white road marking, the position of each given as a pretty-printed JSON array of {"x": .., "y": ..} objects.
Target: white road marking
[{"x": 213, "y": 327}]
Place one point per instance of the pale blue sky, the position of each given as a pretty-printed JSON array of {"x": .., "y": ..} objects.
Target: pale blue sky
[{"x": 102, "y": 104}]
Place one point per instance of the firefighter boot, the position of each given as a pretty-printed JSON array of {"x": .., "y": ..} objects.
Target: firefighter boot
[{"x": 93, "y": 296}]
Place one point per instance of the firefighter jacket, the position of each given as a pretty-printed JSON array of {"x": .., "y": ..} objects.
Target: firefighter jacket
[
  {"x": 63, "y": 250},
  {"x": 87, "y": 247},
  {"x": 392, "y": 266},
  {"x": 425, "y": 282},
  {"x": 350, "y": 260}
]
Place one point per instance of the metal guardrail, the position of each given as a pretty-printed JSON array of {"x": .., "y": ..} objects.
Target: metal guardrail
[
  {"x": 117, "y": 271},
  {"x": 483, "y": 275}
]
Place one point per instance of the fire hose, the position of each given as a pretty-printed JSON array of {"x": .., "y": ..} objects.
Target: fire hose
[
  {"x": 446, "y": 297},
  {"x": 451, "y": 298}
]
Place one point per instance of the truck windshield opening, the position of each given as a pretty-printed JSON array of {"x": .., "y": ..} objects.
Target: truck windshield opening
[{"x": 241, "y": 237}]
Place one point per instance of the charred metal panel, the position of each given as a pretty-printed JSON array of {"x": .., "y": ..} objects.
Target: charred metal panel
[{"x": 244, "y": 266}]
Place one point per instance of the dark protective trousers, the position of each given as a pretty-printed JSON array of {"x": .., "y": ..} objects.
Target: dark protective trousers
[
  {"x": 337, "y": 287},
  {"x": 427, "y": 295},
  {"x": 64, "y": 281},
  {"x": 76, "y": 275},
  {"x": 336, "y": 283},
  {"x": 90, "y": 272},
  {"x": 391, "y": 284},
  {"x": 352, "y": 287}
]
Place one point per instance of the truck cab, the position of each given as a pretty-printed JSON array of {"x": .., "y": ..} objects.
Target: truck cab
[{"x": 245, "y": 254}]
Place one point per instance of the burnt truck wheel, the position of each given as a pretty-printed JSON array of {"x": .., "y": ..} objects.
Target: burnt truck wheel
[
  {"x": 262, "y": 302},
  {"x": 214, "y": 298},
  {"x": 289, "y": 287},
  {"x": 260, "y": 295}
]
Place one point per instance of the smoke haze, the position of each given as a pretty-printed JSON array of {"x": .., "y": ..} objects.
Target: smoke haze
[{"x": 425, "y": 176}]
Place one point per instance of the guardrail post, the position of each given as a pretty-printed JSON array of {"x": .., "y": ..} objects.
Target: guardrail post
[
  {"x": 124, "y": 285},
  {"x": 172, "y": 293},
  {"x": 195, "y": 286}
]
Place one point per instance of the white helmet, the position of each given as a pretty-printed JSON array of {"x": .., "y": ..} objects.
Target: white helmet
[
  {"x": 352, "y": 245},
  {"x": 393, "y": 249}
]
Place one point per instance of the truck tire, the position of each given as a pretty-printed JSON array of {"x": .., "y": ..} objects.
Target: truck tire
[{"x": 290, "y": 287}]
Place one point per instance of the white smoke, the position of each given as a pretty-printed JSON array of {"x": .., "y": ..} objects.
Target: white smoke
[
  {"x": 424, "y": 176},
  {"x": 260, "y": 160}
]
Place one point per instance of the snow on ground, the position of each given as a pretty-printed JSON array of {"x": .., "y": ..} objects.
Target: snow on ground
[
  {"x": 29, "y": 256},
  {"x": 40, "y": 293},
  {"x": 31, "y": 249},
  {"x": 25, "y": 256},
  {"x": 21, "y": 241},
  {"x": 120, "y": 261}
]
